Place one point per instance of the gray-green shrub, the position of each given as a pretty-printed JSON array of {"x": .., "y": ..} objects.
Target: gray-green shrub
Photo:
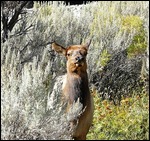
[{"x": 29, "y": 66}]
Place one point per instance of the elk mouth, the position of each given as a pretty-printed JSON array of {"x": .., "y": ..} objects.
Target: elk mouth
[{"x": 78, "y": 64}]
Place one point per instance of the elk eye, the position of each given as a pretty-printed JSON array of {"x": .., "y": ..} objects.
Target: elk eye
[{"x": 68, "y": 54}]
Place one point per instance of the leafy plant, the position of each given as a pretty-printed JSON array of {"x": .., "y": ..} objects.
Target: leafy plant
[
  {"x": 104, "y": 57},
  {"x": 129, "y": 120},
  {"x": 131, "y": 22},
  {"x": 138, "y": 45}
]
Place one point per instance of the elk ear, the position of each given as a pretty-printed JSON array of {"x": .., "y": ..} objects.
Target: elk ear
[
  {"x": 58, "y": 48},
  {"x": 87, "y": 44}
]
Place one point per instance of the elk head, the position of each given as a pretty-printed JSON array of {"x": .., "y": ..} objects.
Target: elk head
[{"x": 75, "y": 55}]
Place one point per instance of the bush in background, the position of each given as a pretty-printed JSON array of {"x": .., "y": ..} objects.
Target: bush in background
[{"x": 127, "y": 121}]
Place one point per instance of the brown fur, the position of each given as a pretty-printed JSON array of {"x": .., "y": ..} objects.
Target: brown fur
[{"x": 76, "y": 86}]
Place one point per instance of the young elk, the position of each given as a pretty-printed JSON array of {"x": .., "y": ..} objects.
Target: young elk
[{"x": 75, "y": 86}]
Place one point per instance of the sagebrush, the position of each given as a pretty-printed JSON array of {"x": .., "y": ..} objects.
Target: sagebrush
[{"x": 29, "y": 66}]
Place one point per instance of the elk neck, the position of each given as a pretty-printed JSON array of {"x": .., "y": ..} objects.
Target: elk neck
[{"x": 77, "y": 87}]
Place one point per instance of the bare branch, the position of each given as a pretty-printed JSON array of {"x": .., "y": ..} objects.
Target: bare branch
[{"x": 14, "y": 19}]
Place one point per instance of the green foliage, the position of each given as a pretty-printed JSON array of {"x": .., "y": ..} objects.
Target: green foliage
[
  {"x": 127, "y": 121},
  {"x": 131, "y": 22},
  {"x": 46, "y": 10},
  {"x": 103, "y": 18},
  {"x": 104, "y": 57},
  {"x": 139, "y": 44}
]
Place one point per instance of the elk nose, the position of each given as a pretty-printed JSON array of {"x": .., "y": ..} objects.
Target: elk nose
[{"x": 79, "y": 58}]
